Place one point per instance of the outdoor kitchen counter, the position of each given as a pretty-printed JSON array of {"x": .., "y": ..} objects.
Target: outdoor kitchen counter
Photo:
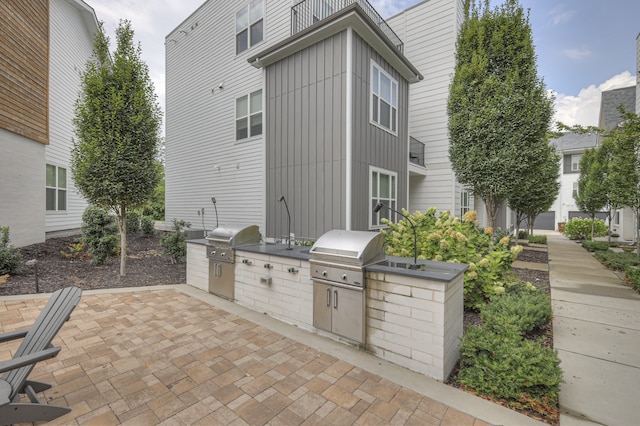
[
  {"x": 296, "y": 252},
  {"x": 430, "y": 270}
]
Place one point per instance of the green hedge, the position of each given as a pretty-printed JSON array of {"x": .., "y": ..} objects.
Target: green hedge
[
  {"x": 580, "y": 229},
  {"x": 596, "y": 245},
  {"x": 537, "y": 239},
  {"x": 617, "y": 261}
]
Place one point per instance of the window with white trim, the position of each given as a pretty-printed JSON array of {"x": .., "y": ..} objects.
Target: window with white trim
[
  {"x": 384, "y": 99},
  {"x": 575, "y": 162},
  {"x": 56, "y": 188},
  {"x": 249, "y": 115},
  {"x": 575, "y": 189},
  {"x": 383, "y": 188},
  {"x": 464, "y": 202},
  {"x": 249, "y": 25}
]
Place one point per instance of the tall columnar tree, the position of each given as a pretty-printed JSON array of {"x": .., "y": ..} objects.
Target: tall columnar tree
[
  {"x": 624, "y": 170},
  {"x": 117, "y": 126},
  {"x": 539, "y": 190},
  {"x": 592, "y": 186},
  {"x": 499, "y": 110},
  {"x": 606, "y": 154}
]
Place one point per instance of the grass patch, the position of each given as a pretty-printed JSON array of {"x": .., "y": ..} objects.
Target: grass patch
[
  {"x": 537, "y": 239},
  {"x": 617, "y": 261}
]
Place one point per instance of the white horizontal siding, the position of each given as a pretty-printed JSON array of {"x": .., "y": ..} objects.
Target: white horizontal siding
[
  {"x": 203, "y": 160},
  {"x": 71, "y": 45},
  {"x": 429, "y": 32},
  {"x": 22, "y": 173}
]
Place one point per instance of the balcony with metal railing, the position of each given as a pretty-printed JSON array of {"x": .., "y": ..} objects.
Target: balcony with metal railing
[
  {"x": 308, "y": 12},
  {"x": 416, "y": 151}
]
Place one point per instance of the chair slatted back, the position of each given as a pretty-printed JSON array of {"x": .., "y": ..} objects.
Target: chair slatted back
[{"x": 39, "y": 337}]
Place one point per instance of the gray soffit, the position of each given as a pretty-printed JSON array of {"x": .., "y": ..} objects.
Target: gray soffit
[{"x": 351, "y": 16}]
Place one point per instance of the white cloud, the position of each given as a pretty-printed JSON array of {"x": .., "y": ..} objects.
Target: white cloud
[
  {"x": 577, "y": 53},
  {"x": 584, "y": 109},
  {"x": 559, "y": 15}
]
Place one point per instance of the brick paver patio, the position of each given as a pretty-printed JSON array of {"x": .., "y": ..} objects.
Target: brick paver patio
[{"x": 164, "y": 357}]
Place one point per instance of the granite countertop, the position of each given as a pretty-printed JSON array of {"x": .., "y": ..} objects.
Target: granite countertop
[
  {"x": 296, "y": 252},
  {"x": 438, "y": 271}
]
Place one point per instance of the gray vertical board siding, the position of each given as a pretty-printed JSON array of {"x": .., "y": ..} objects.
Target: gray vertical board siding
[
  {"x": 306, "y": 139},
  {"x": 373, "y": 146}
]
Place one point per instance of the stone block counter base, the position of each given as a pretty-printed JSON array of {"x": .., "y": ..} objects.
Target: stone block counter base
[{"x": 413, "y": 318}]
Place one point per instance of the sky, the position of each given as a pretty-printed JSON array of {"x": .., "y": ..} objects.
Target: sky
[{"x": 583, "y": 46}]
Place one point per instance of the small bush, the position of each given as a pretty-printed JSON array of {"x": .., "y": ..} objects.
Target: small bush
[
  {"x": 444, "y": 238},
  {"x": 596, "y": 245},
  {"x": 506, "y": 366},
  {"x": 522, "y": 311},
  {"x": 523, "y": 234},
  {"x": 174, "y": 243},
  {"x": 580, "y": 228},
  {"x": 133, "y": 221},
  {"x": 147, "y": 226},
  {"x": 9, "y": 255},
  {"x": 537, "y": 239},
  {"x": 633, "y": 276},
  {"x": 617, "y": 261},
  {"x": 99, "y": 233}
]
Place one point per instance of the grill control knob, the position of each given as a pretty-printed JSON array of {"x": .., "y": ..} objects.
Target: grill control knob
[
  {"x": 324, "y": 273},
  {"x": 344, "y": 277},
  {"x": 223, "y": 253},
  {"x": 213, "y": 253}
]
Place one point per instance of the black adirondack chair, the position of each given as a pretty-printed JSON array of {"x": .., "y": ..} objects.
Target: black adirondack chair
[{"x": 36, "y": 346}]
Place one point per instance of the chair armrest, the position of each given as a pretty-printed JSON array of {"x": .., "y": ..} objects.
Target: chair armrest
[
  {"x": 12, "y": 335},
  {"x": 29, "y": 359}
]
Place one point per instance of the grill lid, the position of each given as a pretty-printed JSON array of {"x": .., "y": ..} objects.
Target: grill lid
[
  {"x": 234, "y": 235},
  {"x": 354, "y": 247}
]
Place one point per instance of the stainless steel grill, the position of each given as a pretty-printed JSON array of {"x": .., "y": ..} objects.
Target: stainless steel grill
[
  {"x": 338, "y": 259},
  {"x": 220, "y": 251}
]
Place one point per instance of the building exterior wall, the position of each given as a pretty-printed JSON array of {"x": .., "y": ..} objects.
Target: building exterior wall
[
  {"x": 429, "y": 31},
  {"x": 22, "y": 173},
  {"x": 373, "y": 146},
  {"x": 24, "y": 40},
  {"x": 204, "y": 76},
  {"x": 72, "y": 31},
  {"x": 305, "y": 139}
]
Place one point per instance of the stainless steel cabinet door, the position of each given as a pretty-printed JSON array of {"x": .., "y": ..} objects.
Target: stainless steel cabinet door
[
  {"x": 347, "y": 317},
  {"x": 322, "y": 306}
]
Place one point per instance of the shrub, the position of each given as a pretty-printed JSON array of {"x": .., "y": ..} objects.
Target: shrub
[
  {"x": 633, "y": 276},
  {"x": 580, "y": 228},
  {"x": 537, "y": 239},
  {"x": 523, "y": 234},
  {"x": 596, "y": 245},
  {"x": 99, "y": 233},
  {"x": 133, "y": 221},
  {"x": 147, "y": 226},
  {"x": 506, "y": 366},
  {"x": 617, "y": 261},
  {"x": 9, "y": 255},
  {"x": 450, "y": 239},
  {"x": 175, "y": 242},
  {"x": 522, "y": 311}
]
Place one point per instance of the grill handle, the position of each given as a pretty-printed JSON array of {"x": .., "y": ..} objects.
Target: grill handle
[
  {"x": 335, "y": 299},
  {"x": 328, "y": 297}
]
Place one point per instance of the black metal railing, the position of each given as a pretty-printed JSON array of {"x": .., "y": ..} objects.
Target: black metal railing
[
  {"x": 416, "y": 151},
  {"x": 308, "y": 12}
]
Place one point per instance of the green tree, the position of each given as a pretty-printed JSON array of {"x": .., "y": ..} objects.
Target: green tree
[
  {"x": 624, "y": 169},
  {"x": 592, "y": 186},
  {"x": 605, "y": 157},
  {"x": 499, "y": 110},
  {"x": 538, "y": 191},
  {"x": 117, "y": 125}
]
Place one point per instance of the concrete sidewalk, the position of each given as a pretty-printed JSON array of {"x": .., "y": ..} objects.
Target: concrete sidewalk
[{"x": 596, "y": 330}]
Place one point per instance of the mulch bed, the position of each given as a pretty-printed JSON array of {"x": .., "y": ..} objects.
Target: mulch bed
[{"x": 146, "y": 266}]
